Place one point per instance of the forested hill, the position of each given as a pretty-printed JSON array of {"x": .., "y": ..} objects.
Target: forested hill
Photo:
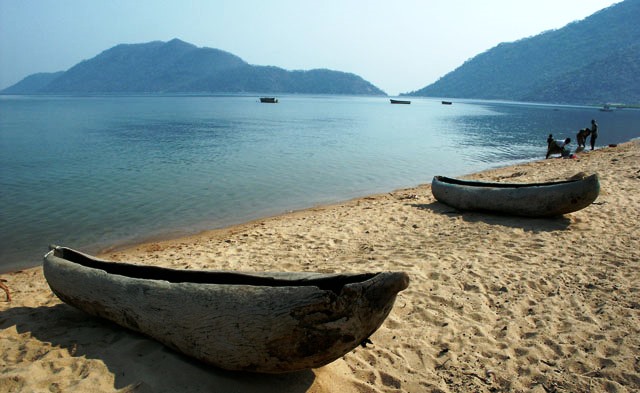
[
  {"x": 592, "y": 61},
  {"x": 180, "y": 67}
]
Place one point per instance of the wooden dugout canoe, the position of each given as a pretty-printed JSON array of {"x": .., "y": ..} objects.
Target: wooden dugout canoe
[
  {"x": 261, "y": 322},
  {"x": 521, "y": 199}
]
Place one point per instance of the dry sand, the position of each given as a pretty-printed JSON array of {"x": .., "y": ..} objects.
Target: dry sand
[{"x": 496, "y": 303}]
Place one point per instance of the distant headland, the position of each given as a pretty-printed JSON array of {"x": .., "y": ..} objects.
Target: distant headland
[{"x": 179, "y": 67}]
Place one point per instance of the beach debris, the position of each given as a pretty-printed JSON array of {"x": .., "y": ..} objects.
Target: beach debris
[
  {"x": 5, "y": 288},
  {"x": 514, "y": 174},
  {"x": 366, "y": 341},
  {"x": 548, "y": 363},
  {"x": 441, "y": 365},
  {"x": 552, "y": 388},
  {"x": 408, "y": 196},
  {"x": 487, "y": 380},
  {"x": 490, "y": 374}
]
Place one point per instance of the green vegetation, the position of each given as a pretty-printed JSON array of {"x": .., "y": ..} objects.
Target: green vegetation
[
  {"x": 593, "y": 61},
  {"x": 180, "y": 67}
]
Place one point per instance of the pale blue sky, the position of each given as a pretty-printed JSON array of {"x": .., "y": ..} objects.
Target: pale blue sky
[{"x": 399, "y": 46}]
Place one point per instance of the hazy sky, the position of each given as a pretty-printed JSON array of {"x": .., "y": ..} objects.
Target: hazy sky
[{"x": 399, "y": 46}]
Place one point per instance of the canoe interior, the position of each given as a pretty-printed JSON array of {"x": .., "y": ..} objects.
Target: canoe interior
[
  {"x": 474, "y": 183},
  {"x": 333, "y": 282}
]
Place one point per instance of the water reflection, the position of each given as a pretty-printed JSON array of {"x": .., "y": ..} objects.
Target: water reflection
[{"x": 101, "y": 170}]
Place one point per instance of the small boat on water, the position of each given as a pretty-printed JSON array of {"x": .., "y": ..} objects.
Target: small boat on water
[
  {"x": 269, "y": 100},
  {"x": 520, "y": 199},
  {"x": 447, "y": 102},
  {"x": 606, "y": 108},
  {"x": 400, "y": 101},
  {"x": 261, "y": 322}
]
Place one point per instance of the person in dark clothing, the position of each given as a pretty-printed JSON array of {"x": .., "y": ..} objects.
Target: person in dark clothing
[
  {"x": 594, "y": 133},
  {"x": 558, "y": 146},
  {"x": 582, "y": 137}
]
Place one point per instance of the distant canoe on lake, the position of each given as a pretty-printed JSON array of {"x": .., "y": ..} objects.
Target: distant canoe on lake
[
  {"x": 269, "y": 100},
  {"x": 447, "y": 102},
  {"x": 520, "y": 199},
  {"x": 248, "y": 321},
  {"x": 400, "y": 101}
]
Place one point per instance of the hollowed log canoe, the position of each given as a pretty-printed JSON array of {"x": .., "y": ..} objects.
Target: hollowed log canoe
[
  {"x": 261, "y": 322},
  {"x": 522, "y": 199}
]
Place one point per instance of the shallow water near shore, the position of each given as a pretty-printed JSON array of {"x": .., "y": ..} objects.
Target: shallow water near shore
[{"x": 91, "y": 172}]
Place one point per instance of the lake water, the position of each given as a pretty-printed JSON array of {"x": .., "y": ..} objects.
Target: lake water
[{"x": 91, "y": 172}]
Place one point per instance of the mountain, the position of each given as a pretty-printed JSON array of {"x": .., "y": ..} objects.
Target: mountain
[
  {"x": 592, "y": 61},
  {"x": 33, "y": 83},
  {"x": 179, "y": 67}
]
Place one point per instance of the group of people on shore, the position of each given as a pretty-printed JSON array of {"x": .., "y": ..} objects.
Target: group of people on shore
[{"x": 559, "y": 146}]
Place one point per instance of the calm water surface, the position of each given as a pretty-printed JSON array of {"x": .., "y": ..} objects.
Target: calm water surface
[{"x": 91, "y": 172}]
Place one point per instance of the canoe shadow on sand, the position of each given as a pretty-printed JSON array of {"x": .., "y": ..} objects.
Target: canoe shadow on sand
[
  {"x": 525, "y": 223},
  {"x": 137, "y": 361}
]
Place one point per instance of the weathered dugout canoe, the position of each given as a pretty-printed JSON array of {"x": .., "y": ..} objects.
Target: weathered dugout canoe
[
  {"x": 521, "y": 199},
  {"x": 261, "y": 322}
]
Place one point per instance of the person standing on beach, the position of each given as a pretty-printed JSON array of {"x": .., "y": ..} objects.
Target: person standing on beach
[
  {"x": 582, "y": 137},
  {"x": 594, "y": 133}
]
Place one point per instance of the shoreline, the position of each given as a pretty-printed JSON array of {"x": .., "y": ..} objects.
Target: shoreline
[
  {"x": 183, "y": 232},
  {"x": 151, "y": 210},
  {"x": 233, "y": 228},
  {"x": 240, "y": 226},
  {"x": 186, "y": 231},
  {"x": 495, "y": 303}
]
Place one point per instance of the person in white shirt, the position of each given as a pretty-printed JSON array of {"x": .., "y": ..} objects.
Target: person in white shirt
[{"x": 558, "y": 146}]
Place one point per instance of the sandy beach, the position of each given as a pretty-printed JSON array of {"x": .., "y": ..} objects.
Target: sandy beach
[{"x": 495, "y": 303}]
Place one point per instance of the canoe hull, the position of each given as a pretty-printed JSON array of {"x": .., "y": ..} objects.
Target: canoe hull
[
  {"x": 521, "y": 199},
  {"x": 260, "y": 328}
]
